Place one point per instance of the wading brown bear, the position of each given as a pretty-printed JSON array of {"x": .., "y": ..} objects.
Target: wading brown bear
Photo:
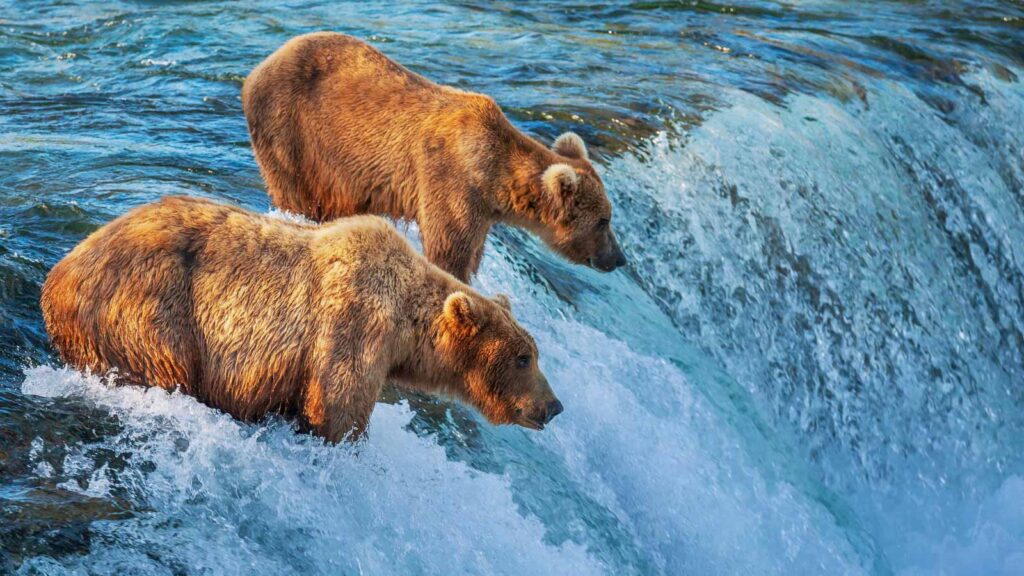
[
  {"x": 340, "y": 129},
  {"x": 253, "y": 314}
]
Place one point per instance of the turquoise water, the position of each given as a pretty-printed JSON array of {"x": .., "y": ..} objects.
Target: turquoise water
[{"x": 814, "y": 363}]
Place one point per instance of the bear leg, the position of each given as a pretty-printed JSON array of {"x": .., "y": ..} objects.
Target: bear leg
[
  {"x": 455, "y": 248},
  {"x": 339, "y": 401}
]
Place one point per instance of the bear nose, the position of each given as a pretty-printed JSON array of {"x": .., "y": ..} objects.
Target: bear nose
[
  {"x": 620, "y": 260},
  {"x": 554, "y": 408}
]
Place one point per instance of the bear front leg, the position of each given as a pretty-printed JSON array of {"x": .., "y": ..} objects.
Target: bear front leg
[
  {"x": 340, "y": 399},
  {"x": 456, "y": 248}
]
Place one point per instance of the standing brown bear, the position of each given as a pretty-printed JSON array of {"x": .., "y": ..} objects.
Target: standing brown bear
[
  {"x": 340, "y": 129},
  {"x": 252, "y": 314}
]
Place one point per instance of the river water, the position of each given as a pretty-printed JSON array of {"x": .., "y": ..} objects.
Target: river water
[{"x": 814, "y": 363}]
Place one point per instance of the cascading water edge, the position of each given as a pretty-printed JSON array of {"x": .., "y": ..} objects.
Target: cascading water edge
[{"x": 791, "y": 230}]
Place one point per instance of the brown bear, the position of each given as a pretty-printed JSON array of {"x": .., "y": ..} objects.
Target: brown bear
[
  {"x": 253, "y": 314},
  {"x": 340, "y": 129}
]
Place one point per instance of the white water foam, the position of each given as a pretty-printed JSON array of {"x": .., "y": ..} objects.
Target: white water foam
[
  {"x": 857, "y": 268},
  {"x": 232, "y": 498},
  {"x": 645, "y": 443}
]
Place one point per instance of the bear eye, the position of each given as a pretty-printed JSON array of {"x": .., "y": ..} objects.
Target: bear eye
[
  {"x": 523, "y": 361},
  {"x": 602, "y": 223}
]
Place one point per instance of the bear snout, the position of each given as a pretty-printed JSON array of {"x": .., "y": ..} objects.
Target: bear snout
[
  {"x": 543, "y": 415},
  {"x": 554, "y": 408},
  {"x": 610, "y": 258}
]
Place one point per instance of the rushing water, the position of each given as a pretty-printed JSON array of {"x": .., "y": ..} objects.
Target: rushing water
[{"x": 814, "y": 363}]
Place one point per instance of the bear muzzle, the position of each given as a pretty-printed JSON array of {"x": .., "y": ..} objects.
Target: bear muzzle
[
  {"x": 554, "y": 408},
  {"x": 542, "y": 417},
  {"x": 610, "y": 258}
]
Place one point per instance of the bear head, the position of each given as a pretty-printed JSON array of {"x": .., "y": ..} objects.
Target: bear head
[
  {"x": 494, "y": 361},
  {"x": 580, "y": 213}
]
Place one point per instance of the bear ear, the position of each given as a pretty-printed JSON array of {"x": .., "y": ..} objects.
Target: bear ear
[
  {"x": 503, "y": 301},
  {"x": 460, "y": 311},
  {"x": 560, "y": 181},
  {"x": 571, "y": 146}
]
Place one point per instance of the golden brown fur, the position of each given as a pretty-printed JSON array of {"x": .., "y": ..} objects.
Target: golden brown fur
[
  {"x": 252, "y": 314},
  {"x": 340, "y": 129}
]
